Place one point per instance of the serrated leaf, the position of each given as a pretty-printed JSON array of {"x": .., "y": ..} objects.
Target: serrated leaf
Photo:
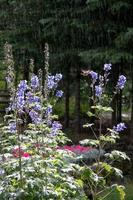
[
  {"x": 90, "y": 114},
  {"x": 107, "y": 139},
  {"x": 87, "y": 125},
  {"x": 121, "y": 191},
  {"x": 101, "y": 108},
  {"x": 107, "y": 167},
  {"x": 118, "y": 172},
  {"x": 89, "y": 142},
  {"x": 79, "y": 182},
  {"x": 117, "y": 155}
]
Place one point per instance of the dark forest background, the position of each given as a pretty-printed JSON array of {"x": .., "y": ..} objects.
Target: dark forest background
[{"x": 82, "y": 34}]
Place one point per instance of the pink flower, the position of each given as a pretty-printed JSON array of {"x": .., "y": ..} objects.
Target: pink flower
[
  {"x": 75, "y": 148},
  {"x": 26, "y": 155},
  {"x": 19, "y": 152}
]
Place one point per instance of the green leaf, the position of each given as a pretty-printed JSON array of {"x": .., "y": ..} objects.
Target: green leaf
[
  {"x": 118, "y": 172},
  {"x": 90, "y": 114},
  {"x": 101, "y": 108},
  {"x": 107, "y": 167},
  {"x": 117, "y": 155},
  {"x": 121, "y": 191},
  {"x": 107, "y": 139},
  {"x": 79, "y": 182},
  {"x": 86, "y": 173},
  {"x": 89, "y": 142},
  {"x": 87, "y": 125}
]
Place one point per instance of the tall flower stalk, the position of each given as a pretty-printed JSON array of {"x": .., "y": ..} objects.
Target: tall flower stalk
[
  {"x": 33, "y": 166},
  {"x": 46, "y": 55},
  {"x": 97, "y": 179}
]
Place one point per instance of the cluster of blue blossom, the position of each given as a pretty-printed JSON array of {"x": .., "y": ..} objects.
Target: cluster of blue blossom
[
  {"x": 94, "y": 76},
  {"x": 52, "y": 83},
  {"x": 28, "y": 101},
  {"x": 33, "y": 101},
  {"x": 119, "y": 127},
  {"x": 20, "y": 95},
  {"x": 48, "y": 110},
  {"x": 29, "y": 98},
  {"x": 12, "y": 127},
  {"x": 98, "y": 88},
  {"x": 35, "y": 116},
  {"x": 121, "y": 82},
  {"x": 56, "y": 126},
  {"x": 34, "y": 82},
  {"x": 59, "y": 93},
  {"x": 107, "y": 67}
]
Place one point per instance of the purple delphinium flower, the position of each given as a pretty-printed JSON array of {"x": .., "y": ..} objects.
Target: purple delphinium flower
[
  {"x": 30, "y": 98},
  {"x": 98, "y": 90},
  {"x": 107, "y": 67},
  {"x": 36, "y": 99},
  {"x": 94, "y": 75},
  {"x": 48, "y": 110},
  {"x": 20, "y": 102},
  {"x": 34, "y": 82},
  {"x": 35, "y": 117},
  {"x": 58, "y": 77},
  {"x": 12, "y": 127},
  {"x": 121, "y": 82},
  {"x": 20, "y": 99},
  {"x": 119, "y": 127},
  {"x": 51, "y": 82},
  {"x": 59, "y": 93},
  {"x": 56, "y": 126},
  {"x": 33, "y": 102},
  {"x": 37, "y": 107},
  {"x": 22, "y": 86}
]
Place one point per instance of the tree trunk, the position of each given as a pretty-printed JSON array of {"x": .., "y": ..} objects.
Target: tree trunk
[
  {"x": 119, "y": 107},
  {"x": 119, "y": 99},
  {"x": 77, "y": 100},
  {"x": 26, "y": 66},
  {"x": 67, "y": 94},
  {"x": 91, "y": 103},
  {"x": 131, "y": 125},
  {"x": 115, "y": 74}
]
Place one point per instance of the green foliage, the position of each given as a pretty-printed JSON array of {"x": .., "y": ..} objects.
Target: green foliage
[
  {"x": 109, "y": 55},
  {"x": 114, "y": 195},
  {"x": 125, "y": 39},
  {"x": 89, "y": 142},
  {"x": 98, "y": 175},
  {"x": 32, "y": 167}
]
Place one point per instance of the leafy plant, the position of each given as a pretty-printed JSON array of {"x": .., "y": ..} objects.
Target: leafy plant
[
  {"x": 97, "y": 176},
  {"x": 32, "y": 167}
]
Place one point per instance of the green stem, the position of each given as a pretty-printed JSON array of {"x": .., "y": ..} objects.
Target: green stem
[
  {"x": 46, "y": 182},
  {"x": 99, "y": 146},
  {"x": 20, "y": 167},
  {"x": 19, "y": 146}
]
